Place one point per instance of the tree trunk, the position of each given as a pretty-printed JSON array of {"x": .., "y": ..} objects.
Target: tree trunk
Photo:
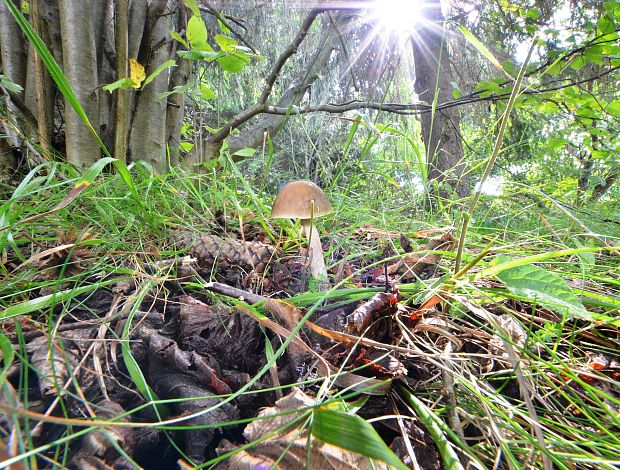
[
  {"x": 44, "y": 88},
  {"x": 80, "y": 67},
  {"x": 176, "y": 101},
  {"x": 13, "y": 48},
  {"x": 440, "y": 130},
  {"x": 147, "y": 140},
  {"x": 121, "y": 117}
]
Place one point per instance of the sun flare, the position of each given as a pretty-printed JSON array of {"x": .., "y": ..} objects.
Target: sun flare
[{"x": 398, "y": 16}]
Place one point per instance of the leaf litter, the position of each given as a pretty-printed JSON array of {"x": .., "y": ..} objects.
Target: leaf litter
[{"x": 199, "y": 346}]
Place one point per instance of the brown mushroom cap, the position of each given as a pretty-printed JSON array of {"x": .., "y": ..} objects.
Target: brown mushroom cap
[{"x": 294, "y": 201}]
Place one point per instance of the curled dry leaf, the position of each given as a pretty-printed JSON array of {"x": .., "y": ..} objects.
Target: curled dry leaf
[
  {"x": 53, "y": 363},
  {"x": 170, "y": 383},
  {"x": 98, "y": 447},
  {"x": 188, "y": 362},
  {"x": 230, "y": 336},
  {"x": 421, "y": 265},
  {"x": 289, "y": 448}
]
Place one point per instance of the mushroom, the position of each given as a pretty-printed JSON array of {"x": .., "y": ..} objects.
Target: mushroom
[{"x": 305, "y": 201}]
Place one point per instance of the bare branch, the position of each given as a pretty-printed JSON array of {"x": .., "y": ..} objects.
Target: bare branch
[
  {"x": 261, "y": 104},
  {"x": 421, "y": 107}
]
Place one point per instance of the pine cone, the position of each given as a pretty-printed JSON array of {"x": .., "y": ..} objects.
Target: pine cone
[{"x": 210, "y": 249}]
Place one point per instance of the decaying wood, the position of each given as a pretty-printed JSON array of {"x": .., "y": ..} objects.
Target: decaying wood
[
  {"x": 349, "y": 380},
  {"x": 381, "y": 304}
]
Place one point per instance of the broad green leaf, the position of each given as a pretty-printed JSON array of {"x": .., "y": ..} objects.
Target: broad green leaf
[
  {"x": 482, "y": 49},
  {"x": 246, "y": 152},
  {"x": 578, "y": 62},
  {"x": 352, "y": 433},
  {"x": 198, "y": 55},
  {"x": 186, "y": 146},
  {"x": 176, "y": 89},
  {"x": 223, "y": 27},
  {"x": 233, "y": 63},
  {"x": 226, "y": 44},
  {"x": 613, "y": 108},
  {"x": 606, "y": 25},
  {"x": 544, "y": 288},
  {"x": 123, "y": 84},
  {"x": 177, "y": 37},
  {"x": 166, "y": 65},
  {"x": 206, "y": 93},
  {"x": 192, "y": 5},
  {"x": 197, "y": 33}
]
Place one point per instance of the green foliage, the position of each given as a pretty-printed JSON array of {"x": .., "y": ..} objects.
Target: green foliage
[
  {"x": 352, "y": 433},
  {"x": 9, "y": 85},
  {"x": 544, "y": 288}
]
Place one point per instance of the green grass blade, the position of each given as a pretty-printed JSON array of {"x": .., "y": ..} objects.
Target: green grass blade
[
  {"x": 353, "y": 433},
  {"x": 431, "y": 422}
]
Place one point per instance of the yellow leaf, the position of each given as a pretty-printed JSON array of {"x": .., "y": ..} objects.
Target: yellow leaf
[{"x": 136, "y": 73}]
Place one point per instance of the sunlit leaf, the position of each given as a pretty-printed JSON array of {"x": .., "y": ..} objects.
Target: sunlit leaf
[
  {"x": 246, "y": 152},
  {"x": 136, "y": 73},
  {"x": 226, "y": 44},
  {"x": 233, "y": 63},
  {"x": 206, "y": 93},
  {"x": 186, "y": 146},
  {"x": 197, "y": 34},
  {"x": 613, "y": 108},
  {"x": 482, "y": 49},
  {"x": 177, "y": 37},
  {"x": 192, "y": 5}
]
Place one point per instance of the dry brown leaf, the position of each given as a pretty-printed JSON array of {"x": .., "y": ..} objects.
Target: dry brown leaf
[{"x": 289, "y": 449}]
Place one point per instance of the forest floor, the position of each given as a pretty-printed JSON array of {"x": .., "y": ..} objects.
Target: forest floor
[{"x": 176, "y": 322}]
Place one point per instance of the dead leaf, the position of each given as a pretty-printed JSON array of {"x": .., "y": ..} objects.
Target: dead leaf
[
  {"x": 289, "y": 448},
  {"x": 136, "y": 73}
]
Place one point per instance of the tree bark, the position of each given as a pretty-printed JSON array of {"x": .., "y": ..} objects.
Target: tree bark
[
  {"x": 44, "y": 89},
  {"x": 121, "y": 116},
  {"x": 80, "y": 67},
  {"x": 147, "y": 139},
  {"x": 176, "y": 102},
  {"x": 13, "y": 48},
  {"x": 440, "y": 130}
]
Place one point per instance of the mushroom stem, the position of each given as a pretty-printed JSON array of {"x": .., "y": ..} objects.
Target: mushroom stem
[{"x": 315, "y": 254}]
